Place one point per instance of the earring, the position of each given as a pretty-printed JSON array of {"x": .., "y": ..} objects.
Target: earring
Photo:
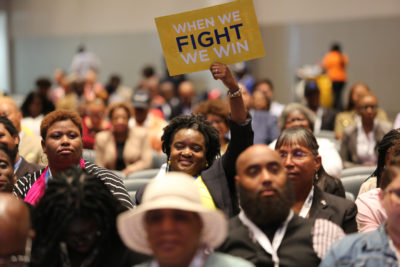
[
  {"x": 316, "y": 176},
  {"x": 169, "y": 162},
  {"x": 206, "y": 164}
]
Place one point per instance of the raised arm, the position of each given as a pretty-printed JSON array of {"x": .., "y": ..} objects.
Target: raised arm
[{"x": 238, "y": 110}]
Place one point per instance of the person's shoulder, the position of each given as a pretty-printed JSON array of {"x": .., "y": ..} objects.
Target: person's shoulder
[
  {"x": 221, "y": 259},
  {"x": 337, "y": 201},
  {"x": 352, "y": 242}
]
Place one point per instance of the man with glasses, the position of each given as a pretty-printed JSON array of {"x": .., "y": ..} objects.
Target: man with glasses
[
  {"x": 380, "y": 247},
  {"x": 15, "y": 231}
]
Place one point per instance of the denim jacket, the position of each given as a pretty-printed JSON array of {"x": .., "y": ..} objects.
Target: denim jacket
[{"x": 365, "y": 249}]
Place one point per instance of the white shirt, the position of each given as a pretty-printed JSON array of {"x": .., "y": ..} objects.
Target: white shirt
[{"x": 366, "y": 144}]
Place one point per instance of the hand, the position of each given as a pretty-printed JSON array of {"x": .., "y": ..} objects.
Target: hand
[{"x": 221, "y": 72}]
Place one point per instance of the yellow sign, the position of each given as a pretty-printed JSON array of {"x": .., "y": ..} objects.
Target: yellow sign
[{"x": 226, "y": 33}]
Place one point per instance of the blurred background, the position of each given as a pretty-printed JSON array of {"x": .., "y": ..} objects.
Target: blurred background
[{"x": 39, "y": 36}]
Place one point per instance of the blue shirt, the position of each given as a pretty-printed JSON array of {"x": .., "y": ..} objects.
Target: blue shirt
[{"x": 370, "y": 249}]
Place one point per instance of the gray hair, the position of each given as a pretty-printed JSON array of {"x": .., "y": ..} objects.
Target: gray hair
[
  {"x": 298, "y": 135},
  {"x": 308, "y": 113}
]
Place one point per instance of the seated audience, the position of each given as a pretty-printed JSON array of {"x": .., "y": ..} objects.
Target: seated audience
[
  {"x": 297, "y": 115},
  {"x": 10, "y": 138},
  {"x": 174, "y": 226},
  {"x": 7, "y": 177},
  {"x": 385, "y": 154},
  {"x": 266, "y": 86},
  {"x": 29, "y": 144},
  {"x": 313, "y": 189},
  {"x": 75, "y": 224},
  {"x": 264, "y": 124},
  {"x": 92, "y": 88},
  {"x": 170, "y": 108},
  {"x": 267, "y": 232},
  {"x": 192, "y": 146},
  {"x": 116, "y": 91},
  {"x": 260, "y": 101},
  {"x": 15, "y": 231},
  {"x": 144, "y": 117},
  {"x": 61, "y": 132},
  {"x": 186, "y": 94},
  {"x": 43, "y": 86},
  {"x": 32, "y": 112},
  {"x": 370, "y": 211},
  {"x": 359, "y": 140},
  {"x": 377, "y": 248},
  {"x": 216, "y": 111},
  {"x": 94, "y": 122},
  {"x": 123, "y": 148},
  {"x": 348, "y": 117},
  {"x": 324, "y": 117}
]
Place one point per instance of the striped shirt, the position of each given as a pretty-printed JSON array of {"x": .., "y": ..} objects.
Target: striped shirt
[{"x": 111, "y": 180}]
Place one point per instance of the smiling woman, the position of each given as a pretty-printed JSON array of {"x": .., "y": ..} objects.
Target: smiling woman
[
  {"x": 61, "y": 133},
  {"x": 192, "y": 146}
]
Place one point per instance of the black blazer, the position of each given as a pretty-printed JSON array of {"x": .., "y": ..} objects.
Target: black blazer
[
  {"x": 220, "y": 176},
  {"x": 335, "y": 209},
  {"x": 26, "y": 167}
]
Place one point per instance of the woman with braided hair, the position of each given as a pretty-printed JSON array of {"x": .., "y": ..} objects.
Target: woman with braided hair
[
  {"x": 74, "y": 224},
  {"x": 192, "y": 146}
]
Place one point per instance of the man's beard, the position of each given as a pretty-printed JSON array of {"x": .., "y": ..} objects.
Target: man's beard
[{"x": 268, "y": 211}]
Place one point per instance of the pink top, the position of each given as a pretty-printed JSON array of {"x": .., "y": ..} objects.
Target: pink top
[{"x": 370, "y": 211}]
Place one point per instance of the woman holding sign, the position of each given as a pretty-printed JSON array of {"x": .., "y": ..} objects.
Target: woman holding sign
[{"x": 192, "y": 146}]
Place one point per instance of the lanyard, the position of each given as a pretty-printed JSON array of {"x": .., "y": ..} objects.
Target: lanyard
[
  {"x": 263, "y": 240},
  {"x": 305, "y": 209}
]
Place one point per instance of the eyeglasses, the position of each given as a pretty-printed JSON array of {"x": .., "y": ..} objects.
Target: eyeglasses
[
  {"x": 19, "y": 260},
  {"x": 296, "y": 155},
  {"x": 364, "y": 108},
  {"x": 395, "y": 191}
]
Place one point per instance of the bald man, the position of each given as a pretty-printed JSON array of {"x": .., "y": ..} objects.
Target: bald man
[
  {"x": 15, "y": 230},
  {"x": 29, "y": 145},
  {"x": 267, "y": 232},
  {"x": 186, "y": 92}
]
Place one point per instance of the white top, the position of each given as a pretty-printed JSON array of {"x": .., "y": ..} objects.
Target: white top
[
  {"x": 276, "y": 108},
  {"x": 365, "y": 144}
]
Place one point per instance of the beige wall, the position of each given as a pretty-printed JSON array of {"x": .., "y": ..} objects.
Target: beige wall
[{"x": 72, "y": 17}]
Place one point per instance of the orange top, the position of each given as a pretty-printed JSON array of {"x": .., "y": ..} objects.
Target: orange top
[{"x": 335, "y": 65}]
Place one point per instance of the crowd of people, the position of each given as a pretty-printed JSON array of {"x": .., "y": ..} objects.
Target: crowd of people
[{"x": 247, "y": 181}]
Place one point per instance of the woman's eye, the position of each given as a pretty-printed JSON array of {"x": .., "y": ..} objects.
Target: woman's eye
[{"x": 4, "y": 165}]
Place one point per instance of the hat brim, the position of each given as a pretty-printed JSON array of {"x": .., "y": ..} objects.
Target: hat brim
[{"x": 133, "y": 233}]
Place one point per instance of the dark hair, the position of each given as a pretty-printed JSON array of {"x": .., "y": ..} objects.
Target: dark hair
[
  {"x": 124, "y": 105},
  {"x": 336, "y": 47},
  {"x": 43, "y": 82},
  {"x": 390, "y": 173},
  {"x": 148, "y": 71},
  {"x": 350, "y": 104},
  {"x": 195, "y": 122},
  {"x": 216, "y": 107},
  {"x": 59, "y": 115},
  {"x": 9, "y": 153},
  {"x": 267, "y": 81},
  {"x": 28, "y": 100},
  {"x": 72, "y": 194},
  {"x": 9, "y": 126},
  {"x": 388, "y": 141}
]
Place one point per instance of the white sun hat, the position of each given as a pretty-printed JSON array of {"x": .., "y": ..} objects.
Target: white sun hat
[{"x": 176, "y": 190}]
